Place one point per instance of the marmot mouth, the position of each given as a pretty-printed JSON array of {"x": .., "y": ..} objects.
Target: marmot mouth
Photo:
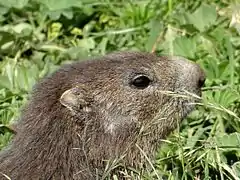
[
  {"x": 187, "y": 108},
  {"x": 187, "y": 100}
]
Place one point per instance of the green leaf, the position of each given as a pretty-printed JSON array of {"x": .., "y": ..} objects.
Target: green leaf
[
  {"x": 87, "y": 43},
  {"x": 203, "y": 17},
  {"x": 4, "y": 82},
  {"x": 226, "y": 97},
  {"x": 19, "y": 4},
  {"x": 23, "y": 28},
  {"x": 54, "y": 5},
  {"x": 25, "y": 77},
  {"x": 9, "y": 68},
  {"x": 236, "y": 168},
  {"x": 3, "y": 10},
  {"x": 228, "y": 142},
  {"x": 103, "y": 45},
  {"x": 77, "y": 52},
  {"x": 191, "y": 142},
  {"x": 183, "y": 46},
  {"x": 155, "y": 32},
  {"x": 54, "y": 15},
  {"x": 5, "y": 37}
]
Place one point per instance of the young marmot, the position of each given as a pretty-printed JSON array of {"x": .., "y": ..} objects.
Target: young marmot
[{"x": 97, "y": 110}]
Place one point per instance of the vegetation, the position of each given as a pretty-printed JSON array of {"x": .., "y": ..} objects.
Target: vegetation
[{"x": 37, "y": 36}]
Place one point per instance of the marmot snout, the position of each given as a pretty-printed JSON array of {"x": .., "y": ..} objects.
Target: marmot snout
[{"x": 191, "y": 75}]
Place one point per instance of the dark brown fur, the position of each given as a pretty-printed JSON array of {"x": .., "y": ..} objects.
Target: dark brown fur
[{"x": 55, "y": 142}]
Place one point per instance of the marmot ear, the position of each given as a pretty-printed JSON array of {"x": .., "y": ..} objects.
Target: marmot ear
[{"x": 75, "y": 100}]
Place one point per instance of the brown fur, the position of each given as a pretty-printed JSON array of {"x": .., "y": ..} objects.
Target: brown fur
[{"x": 60, "y": 143}]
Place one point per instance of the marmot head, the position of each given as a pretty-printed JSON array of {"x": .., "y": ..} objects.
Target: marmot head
[{"x": 131, "y": 90}]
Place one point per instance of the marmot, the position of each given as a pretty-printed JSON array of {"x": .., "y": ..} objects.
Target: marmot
[{"x": 102, "y": 109}]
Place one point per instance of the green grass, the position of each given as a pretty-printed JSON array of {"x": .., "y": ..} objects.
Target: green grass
[{"x": 36, "y": 37}]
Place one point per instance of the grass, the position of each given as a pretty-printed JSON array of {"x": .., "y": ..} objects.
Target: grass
[{"x": 36, "y": 37}]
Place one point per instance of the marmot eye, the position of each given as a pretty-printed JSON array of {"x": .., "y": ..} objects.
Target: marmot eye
[{"x": 140, "y": 81}]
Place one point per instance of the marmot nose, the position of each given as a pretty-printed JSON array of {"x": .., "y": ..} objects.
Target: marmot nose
[
  {"x": 202, "y": 78},
  {"x": 198, "y": 75}
]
